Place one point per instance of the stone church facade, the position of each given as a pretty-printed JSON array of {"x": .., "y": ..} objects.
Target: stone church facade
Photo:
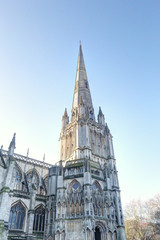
[{"x": 77, "y": 199}]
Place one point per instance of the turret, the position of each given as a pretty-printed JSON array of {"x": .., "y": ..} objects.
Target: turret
[
  {"x": 65, "y": 119},
  {"x": 101, "y": 119}
]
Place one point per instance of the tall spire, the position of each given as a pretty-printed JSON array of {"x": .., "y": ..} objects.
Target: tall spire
[{"x": 81, "y": 90}]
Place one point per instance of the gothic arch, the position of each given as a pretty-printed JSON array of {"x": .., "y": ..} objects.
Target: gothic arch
[
  {"x": 17, "y": 216},
  {"x": 19, "y": 169},
  {"x": 30, "y": 174},
  {"x": 39, "y": 218},
  {"x": 20, "y": 201},
  {"x": 74, "y": 185},
  {"x": 101, "y": 226},
  {"x": 33, "y": 170},
  {"x": 39, "y": 205},
  {"x": 100, "y": 231},
  {"x": 96, "y": 186}
]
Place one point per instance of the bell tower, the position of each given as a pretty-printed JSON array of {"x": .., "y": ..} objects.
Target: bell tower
[
  {"x": 86, "y": 189},
  {"x": 84, "y": 137}
]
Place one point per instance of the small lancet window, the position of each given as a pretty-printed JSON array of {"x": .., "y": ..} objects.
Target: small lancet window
[{"x": 16, "y": 218}]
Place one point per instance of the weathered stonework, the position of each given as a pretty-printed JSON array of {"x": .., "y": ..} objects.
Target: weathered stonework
[{"x": 78, "y": 199}]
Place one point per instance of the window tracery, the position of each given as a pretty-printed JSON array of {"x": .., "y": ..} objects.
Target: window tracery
[
  {"x": 39, "y": 217},
  {"x": 33, "y": 179},
  {"x": 16, "y": 218},
  {"x": 74, "y": 186},
  {"x": 96, "y": 186}
]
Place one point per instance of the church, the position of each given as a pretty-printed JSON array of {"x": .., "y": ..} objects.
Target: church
[{"x": 76, "y": 199}]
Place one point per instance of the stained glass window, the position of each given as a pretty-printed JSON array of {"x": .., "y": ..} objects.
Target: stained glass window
[
  {"x": 39, "y": 217},
  {"x": 96, "y": 186},
  {"x": 75, "y": 186},
  {"x": 16, "y": 218}
]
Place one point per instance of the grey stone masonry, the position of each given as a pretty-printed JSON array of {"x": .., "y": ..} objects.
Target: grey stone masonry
[{"x": 76, "y": 199}]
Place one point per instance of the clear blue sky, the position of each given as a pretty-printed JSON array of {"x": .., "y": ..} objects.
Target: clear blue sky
[{"x": 121, "y": 44}]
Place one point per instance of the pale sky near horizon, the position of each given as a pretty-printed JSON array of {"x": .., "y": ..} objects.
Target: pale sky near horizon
[{"x": 39, "y": 42}]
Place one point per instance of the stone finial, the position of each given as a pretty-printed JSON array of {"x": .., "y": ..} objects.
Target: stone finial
[
  {"x": 65, "y": 118},
  {"x": 27, "y": 152},
  {"x": 100, "y": 111},
  {"x": 42, "y": 165},
  {"x": 65, "y": 112},
  {"x": 26, "y": 160},
  {"x": 12, "y": 145},
  {"x": 44, "y": 158},
  {"x": 101, "y": 118}
]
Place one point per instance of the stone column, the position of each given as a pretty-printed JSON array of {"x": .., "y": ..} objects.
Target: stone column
[
  {"x": 30, "y": 219},
  {"x": 3, "y": 230},
  {"x": 121, "y": 233}
]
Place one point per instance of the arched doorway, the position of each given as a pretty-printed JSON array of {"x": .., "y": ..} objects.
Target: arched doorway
[{"x": 97, "y": 234}]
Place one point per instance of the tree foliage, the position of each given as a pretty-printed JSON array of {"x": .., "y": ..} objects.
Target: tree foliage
[{"x": 142, "y": 219}]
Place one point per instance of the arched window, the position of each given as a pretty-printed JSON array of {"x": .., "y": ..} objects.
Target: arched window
[
  {"x": 74, "y": 185},
  {"x": 17, "y": 215},
  {"x": 39, "y": 217},
  {"x": 96, "y": 186},
  {"x": 33, "y": 178},
  {"x": 97, "y": 234}
]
